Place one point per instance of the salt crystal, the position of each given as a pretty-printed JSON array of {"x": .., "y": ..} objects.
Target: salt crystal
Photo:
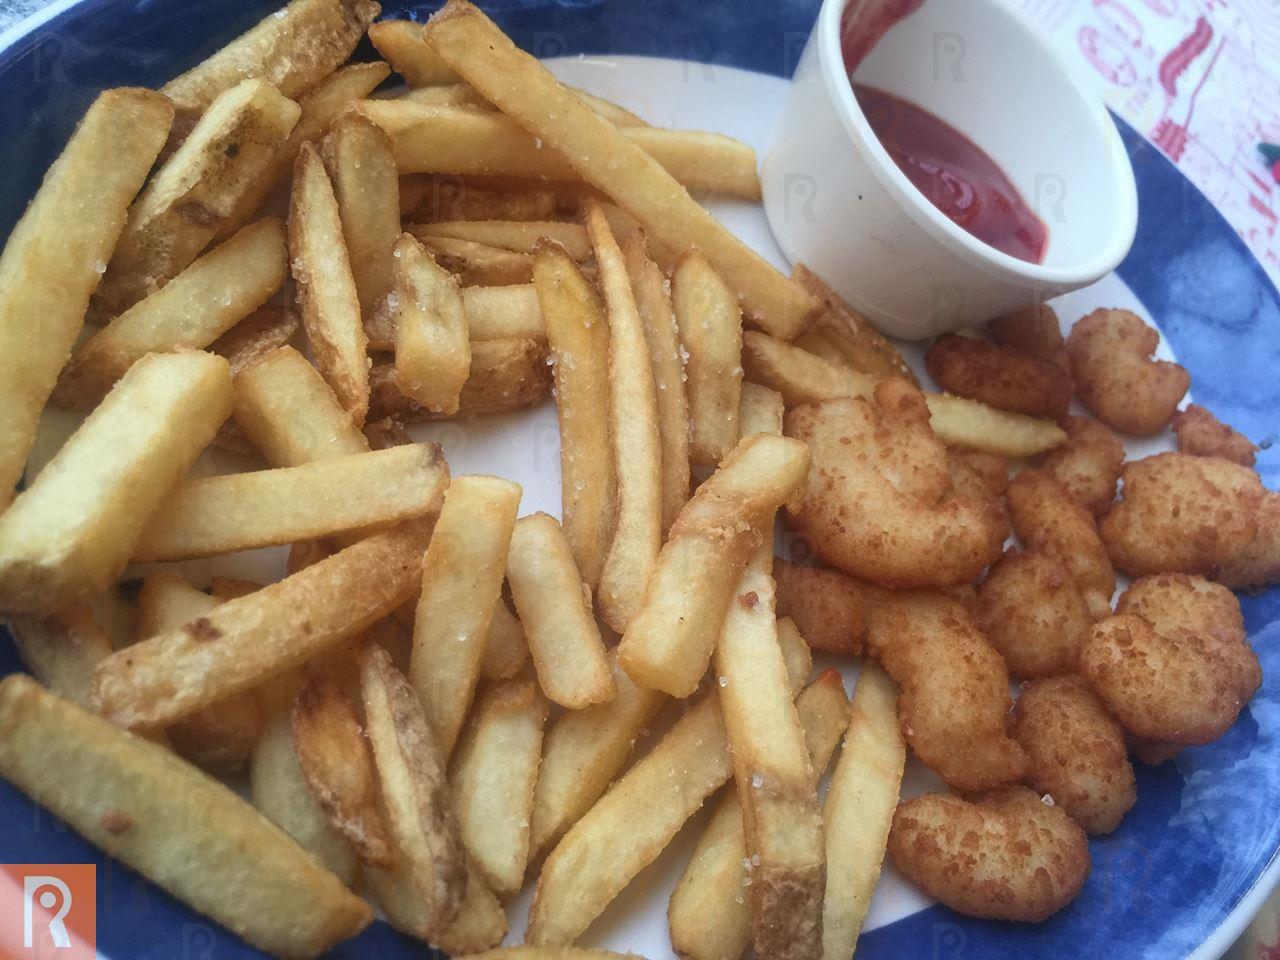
[{"x": 757, "y": 781}]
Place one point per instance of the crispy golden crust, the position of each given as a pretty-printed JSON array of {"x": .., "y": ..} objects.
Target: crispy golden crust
[
  {"x": 826, "y": 605},
  {"x": 999, "y": 376},
  {"x": 1009, "y": 856},
  {"x": 1201, "y": 434},
  {"x": 977, "y": 474},
  {"x": 1116, "y": 378},
  {"x": 879, "y": 502},
  {"x": 1088, "y": 464},
  {"x": 1077, "y": 751},
  {"x": 1036, "y": 331},
  {"x": 1032, "y": 612},
  {"x": 1180, "y": 513},
  {"x": 955, "y": 688},
  {"x": 1258, "y": 562}
]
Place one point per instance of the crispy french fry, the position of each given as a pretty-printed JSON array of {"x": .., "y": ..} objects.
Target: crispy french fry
[
  {"x": 326, "y": 289},
  {"x": 288, "y": 411},
  {"x": 479, "y": 264},
  {"x": 461, "y": 587},
  {"x": 760, "y": 410},
  {"x": 609, "y": 160},
  {"x": 62, "y": 650},
  {"x": 578, "y": 334},
  {"x": 242, "y": 511},
  {"x": 386, "y": 433},
  {"x": 232, "y": 588},
  {"x": 796, "y": 653},
  {"x": 506, "y": 650},
  {"x": 262, "y": 635},
  {"x": 633, "y": 422},
  {"x": 710, "y": 323},
  {"x": 859, "y": 809},
  {"x": 496, "y": 313},
  {"x": 439, "y": 197},
  {"x": 131, "y": 798},
  {"x": 45, "y": 287},
  {"x": 555, "y": 608},
  {"x": 520, "y": 236},
  {"x": 53, "y": 431},
  {"x": 493, "y": 782},
  {"x": 402, "y": 44},
  {"x": 803, "y": 377},
  {"x": 649, "y": 287},
  {"x": 433, "y": 353},
  {"x": 71, "y": 532},
  {"x": 191, "y": 311},
  {"x": 480, "y": 924},
  {"x": 669, "y": 642},
  {"x": 464, "y": 95},
  {"x": 708, "y": 914},
  {"x": 414, "y": 792},
  {"x": 195, "y": 192},
  {"x": 266, "y": 329}
]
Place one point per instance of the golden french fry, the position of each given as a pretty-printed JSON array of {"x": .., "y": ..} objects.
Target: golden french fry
[
  {"x": 260, "y": 636},
  {"x": 669, "y": 642},
  {"x": 45, "y": 287},
  {"x": 461, "y": 587},
  {"x": 433, "y": 352},
  {"x": 796, "y": 653},
  {"x": 633, "y": 422},
  {"x": 496, "y": 313},
  {"x": 609, "y": 160},
  {"x": 62, "y": 650},
  {"x": 266, "y": 329},
  {"x": 555, "y": 608},
  {"x": 232, "y": 588},
  {"x": 710, "y": 323},
  {"x": 506, "y": 650},
  {"x": 520, "y": 236},
  {"x": 414, "y": 793},
  {"x": 578, "y": 334},
  {"x": 464, "y": 95},
  {"x": 131, "y": 798},
  {"x": 653, "y": 300},
  {"x": 191, "y": 311},
  {"x": 386, "y": 433},
  {"x": 481, "y": 922},
  {"x": 493, "y": 782},
  {"x": 326, "y": 288},
  {"x": 479, "y": 264},
  {"x": 402, "y": 44},
  {"x": 433, "y": 197},
  {"x": 53, "y": 430},
  {"x": 859, "y": 809},
  {"x": 760, "y": 410},
  {"x": 70, "y": 533}
]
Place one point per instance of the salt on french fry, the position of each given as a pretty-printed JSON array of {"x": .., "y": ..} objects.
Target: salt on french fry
[
  {"x": 402, "y": 44},
  {"x": 433, "y": 350},
  {"x": 479, "y": 264},
  {"x": 520, "y": 236}
]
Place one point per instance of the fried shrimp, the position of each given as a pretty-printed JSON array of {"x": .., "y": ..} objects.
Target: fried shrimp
[
  {"x": 977, "y": 474},
  {"x": 1257, "y": 563},
  {"x": 1181, "y": 514},
  {"x": 879, "y": 502},
  {"x": 826, "y": 605},
  {"x": 1088, "y": 464},
  {"x": 1052, "y": 522},
  {"x": 955, "y": 689},
  {"x": 1036, "y": 331},
  {"x": 999, "y": 376},
  {"x": 1007, "y": 856},
  {"x": 1077, "y": 751},
  {"x": 1201, "y": 434},
  {"x": 1032, "y": 612},
  {"x": 1117, "y": 379}
]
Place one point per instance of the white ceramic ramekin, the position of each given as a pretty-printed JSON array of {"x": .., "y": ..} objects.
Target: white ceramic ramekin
[{"x": 837, "y": 202}]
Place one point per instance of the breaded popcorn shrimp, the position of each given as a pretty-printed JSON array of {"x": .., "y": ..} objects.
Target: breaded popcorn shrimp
[
  {"x": 1257, "y": 563},
  {"x": 1088, "y": 464},
  {"x": 1001, "y": 377},
  {"x": 1032, "y": 612},
  {"x": 1201, "y": 434}
]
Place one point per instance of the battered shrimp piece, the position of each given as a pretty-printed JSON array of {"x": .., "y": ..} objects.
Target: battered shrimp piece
[
  {"x": 1088, "y": 464},
  {"x": 977, "y": 474},
  {"x": 1036, "y": 331},
  {"x": 827, "y": 606},
  {"x": 1077, "y": 752},
  {"x": 955, "y": 689},
  {"x": 1031, "y": 611},
  {"x": 1052, "y": 522},
  {"x": 1164, "y": 688},
  {"x": 1007, "y": 856},
  {"x": 1258, "y": 562},
  {"x": 1201, "y": 434},
  {"x": 1183, "y": 514},
  {"x": 879, "y": 502},
  {"x": 1001, "y": 377},
  {"x": 1116, "y": 378}
]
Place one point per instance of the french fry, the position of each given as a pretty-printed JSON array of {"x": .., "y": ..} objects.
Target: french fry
[
  {"x": 578, "y": 335},
  {"x": 803, "y": 377},
  {"x": 402, "y": 44},
  {"x": 760, "y": 410},
  {"x": 796, "y": 653},
  {"x": 195, "y": 192},
  {"x": 243, "y": 511},
  {"x": 291, "y": 415},
  {"x": 649, "y": 287},
  {"x": 481, "y": 922},
  {"x": 506, "y": 650},
  {"x": 710, "y": 323},
  {"x": 131, "y": 798},
  {"x": 668, "y": 644},
  {"x": 493, "y": 781},
  {"x": 232, "y": 588},
  {"x": 191, "y": 311},
  {"x": 463, "y": 141},
  {"x": 70, "y": 533},
  {"x": 62, "y": 650},
  {"x": 520, "y": 236},
  {"x": 555, "y": 608},
  {"x": 266, "y": 329},
  {"x": 464, "y": 95},
  {"x": 859, "y": 809},
  {"x": 326, "y": 288},
  {"x": 44, "y": 287},
  {"x": 708, "y": 914},
  {"x": 461, "y": 587},
  {"x": 550, "y": 953},
  {"x": 260, "y": 636},
  {"x": 415, "y": 795},
  {"x": 496, "y": 313},
  {"x": 612, "y": 162},
  {"x": 53, "y": 430},
  {"x": 338, "y": 768},
  {"x": 433, "y": 197},
  {"x": 633, "y": 422},
  {"x": 478, "y": 264},
  {"x": 386, "y": 433},
  {"x": 433, "y": 352}
]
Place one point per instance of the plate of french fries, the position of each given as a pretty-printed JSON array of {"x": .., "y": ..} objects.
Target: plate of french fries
[{"x": 435, "y": 516}]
